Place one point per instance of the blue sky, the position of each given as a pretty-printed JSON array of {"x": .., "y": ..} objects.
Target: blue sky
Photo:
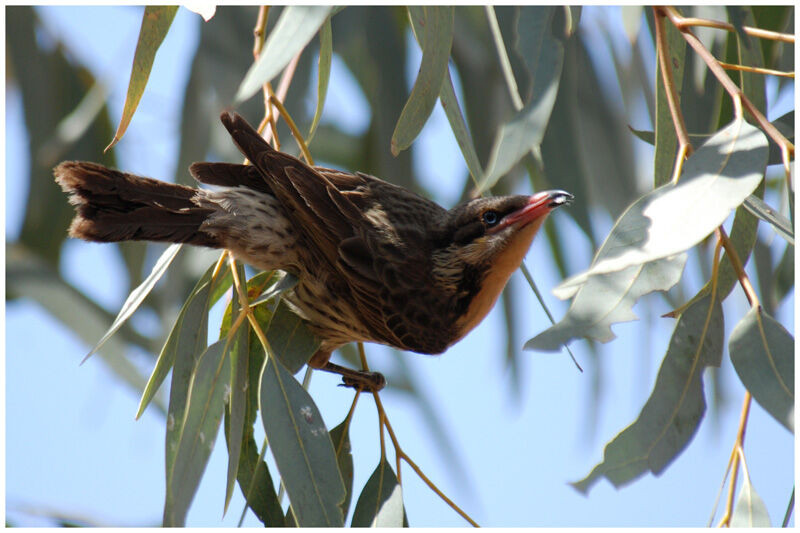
[{"x": 73, "y": 447}]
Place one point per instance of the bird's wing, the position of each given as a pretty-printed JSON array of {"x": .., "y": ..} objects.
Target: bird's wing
[{"x": 328, "y": 218}]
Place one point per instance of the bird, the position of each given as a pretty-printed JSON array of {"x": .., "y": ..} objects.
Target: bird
[{"x": 375, "y": 262}]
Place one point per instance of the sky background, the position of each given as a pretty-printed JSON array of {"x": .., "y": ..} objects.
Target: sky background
[{"x": 72, "y": 446}]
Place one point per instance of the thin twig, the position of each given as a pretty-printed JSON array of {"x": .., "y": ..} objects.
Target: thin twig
[
  {"x": 756, "y": 70},
  {"x": 727, "y": 83},
  {"x": 754, "y": 32},
  {"x": 684, "y": 145},
  {"x": 293, "y": 127}
]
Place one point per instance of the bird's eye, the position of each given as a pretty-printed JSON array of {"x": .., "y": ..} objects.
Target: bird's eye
[{"x": 491, "y": 218}]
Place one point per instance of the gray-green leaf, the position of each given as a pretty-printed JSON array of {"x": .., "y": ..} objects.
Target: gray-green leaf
[
  {"x": 762, "y": 352},
  {"x": 670, "y": 417},
  {"x": 607, "y": 299},
  {"x": 197, "y": 432},
  {"x": 381, "y": 501},
  {"x": 294, "y": 29},
  {"x": 750, "y": 510},
  {"x": 674, "y": 217},
  {"x": 436, "y": 42},
  {"x": 302, "y": 449}
]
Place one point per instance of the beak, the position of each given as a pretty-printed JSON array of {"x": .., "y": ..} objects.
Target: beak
[{"x": 539, "y": 205}]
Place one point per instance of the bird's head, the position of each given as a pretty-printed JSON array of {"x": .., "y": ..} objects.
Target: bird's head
[{"x": 487, "y": 240}]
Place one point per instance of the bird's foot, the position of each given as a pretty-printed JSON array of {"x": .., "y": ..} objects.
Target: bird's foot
[{"x": 357, "y": 379}]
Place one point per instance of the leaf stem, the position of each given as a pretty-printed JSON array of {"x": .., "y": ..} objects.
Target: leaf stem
[
  {"x": 293, "y": 127},
  {"x": 754, "y": 32},
  {"x": 662, "y": 50},
  {"x": 713, "y": 65},
  {"x": 756, "y": 70}
]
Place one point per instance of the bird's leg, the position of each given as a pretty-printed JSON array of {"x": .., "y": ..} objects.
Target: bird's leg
[{"x": 358, "y": 379}]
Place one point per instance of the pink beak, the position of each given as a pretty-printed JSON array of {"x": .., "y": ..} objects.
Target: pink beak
[{"x": 539, "y": 205}]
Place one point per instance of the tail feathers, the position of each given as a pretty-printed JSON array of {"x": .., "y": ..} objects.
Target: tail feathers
[
  {"x": 229, "y": 175},
  {"x": 114, "y": 206}
]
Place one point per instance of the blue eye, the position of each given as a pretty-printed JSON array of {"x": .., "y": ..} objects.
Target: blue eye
[{"x": 491, "y": 218}]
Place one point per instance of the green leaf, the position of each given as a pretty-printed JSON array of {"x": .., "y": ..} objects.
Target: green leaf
[
  {"x": 137, "y": 295},
  {"x": 340, "y": 437},
  {"x": 666, "y": 140},
  {"x": 543, "y": 54},
  {"x": 670, "y": 418},
  {"x": 239, "y": 351},
  {"x": 279, "y": 286},
  {"x": 183, "y": 342},
  {"x": 290, "y": 339},
  {"x": 759, "y": 208},
  {"x": 323, "y": 74},
  {"x": 155, "y": 25},
  {"x": 762, "y": 352},
  {"x": 436, "y": 42},
  {"x": 381, "y": 501},
  {"x": 196, "y": 433},
  {"x": 302, "y": 449},
  {"x": 750, "y": 510},
  {"x": 294, "y": 29},
  {"x": 447, "y": 96},
  {"x": 716, "y": 179},
  {"x": 607, "y": 299}
]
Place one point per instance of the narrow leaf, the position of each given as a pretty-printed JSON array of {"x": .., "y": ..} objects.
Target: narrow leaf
[
  {"x": 302, "y": 449},
  {"x": 323, "y": 74},
  {"x": 543, "y": 53},
  {"x": 436, "y": 42},
  {"x": 759, "y": 208},
  {"x": 198, "y": 431},
  {"x": 762, "y": 352},
  {"x": 239, "y": 353},
  {"x": 340, "y": 437},
  {"x": 447, "y": 96},
  {"x": 155, "y": 24},
  {"x": 290, "y": 339},
  {"x": 666, "y": 140},
  {"x": 670, "y": 418},
  {"x": 674, "y": 217},
  {"x": 280, "y": 286},
  {"x": 191, "y": 339},
  {"x": 750, "y": 510},
  {"x": 607, "y": 299},
  {"x": 137, "y": 295},
  {"x": 381, "y": 501},
  {"x": 294, "y": 29}
]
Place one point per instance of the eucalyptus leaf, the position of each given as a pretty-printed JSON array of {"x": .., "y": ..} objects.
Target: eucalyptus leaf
[
  {"x": 436, "y": 42},
  {"x": 749, "y": 510},
  {"x": 197, "y": 432},
  {"x": 238, "y": 350},
  {"x": 290, "y": 339},
  {"x": 381, "y": 502},
  {"x": 294, "y": 29},
  {"x": 672, "y": 414},
  {"x": 137, "y": 295},
  {"x": 782, "y": 225},
  {"x": 186, "y": 342},
  {"x": 544, "y": 54},
  {"x": 340, "y": 437},
  {"x": 323, "y": 74},
  {"x": 302, "y": 449},
  {"x": 156, "y": 21},
  {"x": 762, "y": 352},
  {"x": 607, "y": 299},
  {"x": 674, "y": 217}
]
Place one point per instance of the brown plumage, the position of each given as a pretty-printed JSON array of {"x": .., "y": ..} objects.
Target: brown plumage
[{"x": 375, "y": 261}]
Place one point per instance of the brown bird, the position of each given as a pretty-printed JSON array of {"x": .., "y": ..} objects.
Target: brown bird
[{"x": 375, "y": 262}]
